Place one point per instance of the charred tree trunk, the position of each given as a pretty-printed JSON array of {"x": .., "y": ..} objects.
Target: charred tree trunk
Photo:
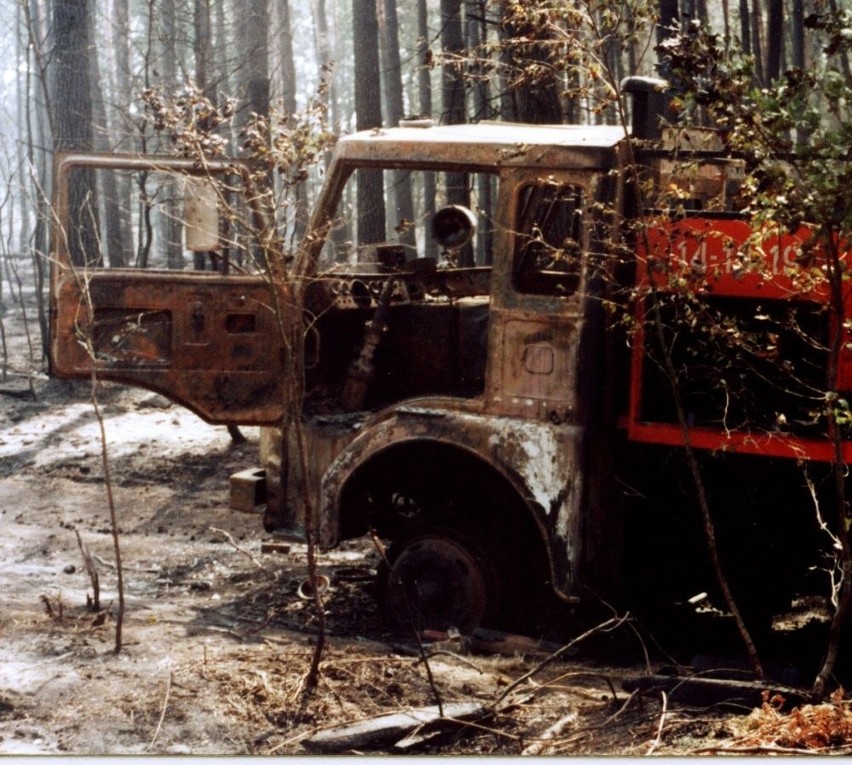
[
  {"x": 774, "y": 40},
  {"x": 453, "y": 97},
  {"x": 400, "y": 200},
  {"x": 70, "y": 81},
  {"x": 368, "y": 114}
]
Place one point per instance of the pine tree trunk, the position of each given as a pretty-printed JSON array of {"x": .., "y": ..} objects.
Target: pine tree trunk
[
  {"x": 122, "y": 126},
  {"x": 70, "y": 89},
  {"x": 170, "y": 224},
  {"x": 774, "y": 39},
  {"x": 368, "y": 114},
  {"x": 424, "y": 89},
  {"x": 401, "y": 204},
  {"x": 114, "y": 238},
  {"x": 453, "y": 98}
]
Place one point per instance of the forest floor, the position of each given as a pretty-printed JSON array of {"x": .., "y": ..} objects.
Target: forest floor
[{"x": 217, "y": 642}]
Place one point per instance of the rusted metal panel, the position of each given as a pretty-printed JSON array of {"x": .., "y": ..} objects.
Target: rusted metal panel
[
  {"x": 320, "y": 440},
  {"x": 539, "y": 367}
]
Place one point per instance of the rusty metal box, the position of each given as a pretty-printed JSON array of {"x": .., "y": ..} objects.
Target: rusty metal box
[{"x": 248, "y": 490}]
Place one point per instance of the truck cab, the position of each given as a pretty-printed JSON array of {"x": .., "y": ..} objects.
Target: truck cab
[{"x": 449, "y": 399}]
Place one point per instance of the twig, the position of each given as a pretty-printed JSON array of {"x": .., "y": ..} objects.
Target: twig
[
  {"x": 664, "y": 702},
  {"x": 92, "y": 571},
  {"x": 603, "y": 627},
  {"x": 623, "y": 708},
  {"x": 162, "y": 713},
  {"x": 48, "y": 606},
  {"x": 552, "y": 683},
  {"x": 113, "y": 511},
  {"x": 135, "y": 569},
  {"x": 636, "y": 632},
  {"x": 242, "y": 550},
  {"x": 442, "y": 652}
]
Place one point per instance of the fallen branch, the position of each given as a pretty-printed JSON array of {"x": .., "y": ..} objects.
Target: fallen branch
[
  {"x": 710, "y": 691},
  {"x": 135, "y": 569},
  {"x": 51, "y": 660},
  {"x": 242, "y": 550},
  {"x": 162, "y": 713},
  {"x": 544, "y": 741},
  {"x": 376, "y": 732},
  {"x": 768, "y": 750},
  {"x": 656, "y": 742}
]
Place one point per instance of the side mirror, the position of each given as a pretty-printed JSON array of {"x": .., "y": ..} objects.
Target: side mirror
[{"x": 200, "y": 215}]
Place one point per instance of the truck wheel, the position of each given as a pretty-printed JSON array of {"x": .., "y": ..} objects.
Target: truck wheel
[{"x": 437, "y": 579}]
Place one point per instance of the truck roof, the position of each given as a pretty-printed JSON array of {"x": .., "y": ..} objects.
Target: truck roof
[{"x": 484, "y": 145}]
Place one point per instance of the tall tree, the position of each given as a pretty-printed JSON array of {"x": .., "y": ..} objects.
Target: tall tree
[
  {"x": 797, "y": 18},
  {"x": 296, "y": 204},
  {"x": 745, "y": 26},
  {"x": 204, "y": 79},
  {"x": 401, "y": 204},
  {"x": 453, "y": 101},
  {"x": 424, "y": 92},
  {"x": 477, "y": 30},
  {"x": 324, "y": 54},
  {"x": 534, "y": 60},
  {"x": 253, "y": 29},
  {"x": 201, "y": 46},
  {"x": 325, "y": 45},
  {"x": 757, "y": 40},
  {"x": 368, "y": 114},
  {"x": 122, "y": 127},
  {"x": 170, "y": 223},
  {"x": 774, "y": 39},
  {"x": 115, "y": 237},
  {"x": 289, "y": 79},
  {"x": 35, "y": 128},
  {"x": 70, "y": 85},
  {"x": 452, "y": 47}
]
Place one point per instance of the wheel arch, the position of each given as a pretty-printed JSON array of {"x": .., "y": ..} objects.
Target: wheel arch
[{"x": 491, "y": 497}]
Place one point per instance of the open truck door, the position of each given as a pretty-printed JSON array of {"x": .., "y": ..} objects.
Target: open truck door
[{"x": 177, "y": 304}]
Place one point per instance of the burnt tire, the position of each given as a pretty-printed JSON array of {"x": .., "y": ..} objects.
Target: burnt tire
[{"x": 436, "y": 579}]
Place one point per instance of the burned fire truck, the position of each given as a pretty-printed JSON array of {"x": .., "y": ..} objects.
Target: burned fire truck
[{"x": 504, "y": 429}]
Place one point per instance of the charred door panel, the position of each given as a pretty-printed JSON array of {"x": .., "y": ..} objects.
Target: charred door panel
[
  {"x": 208, "y": 342},
  {"x": 181, "y": 305}
]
